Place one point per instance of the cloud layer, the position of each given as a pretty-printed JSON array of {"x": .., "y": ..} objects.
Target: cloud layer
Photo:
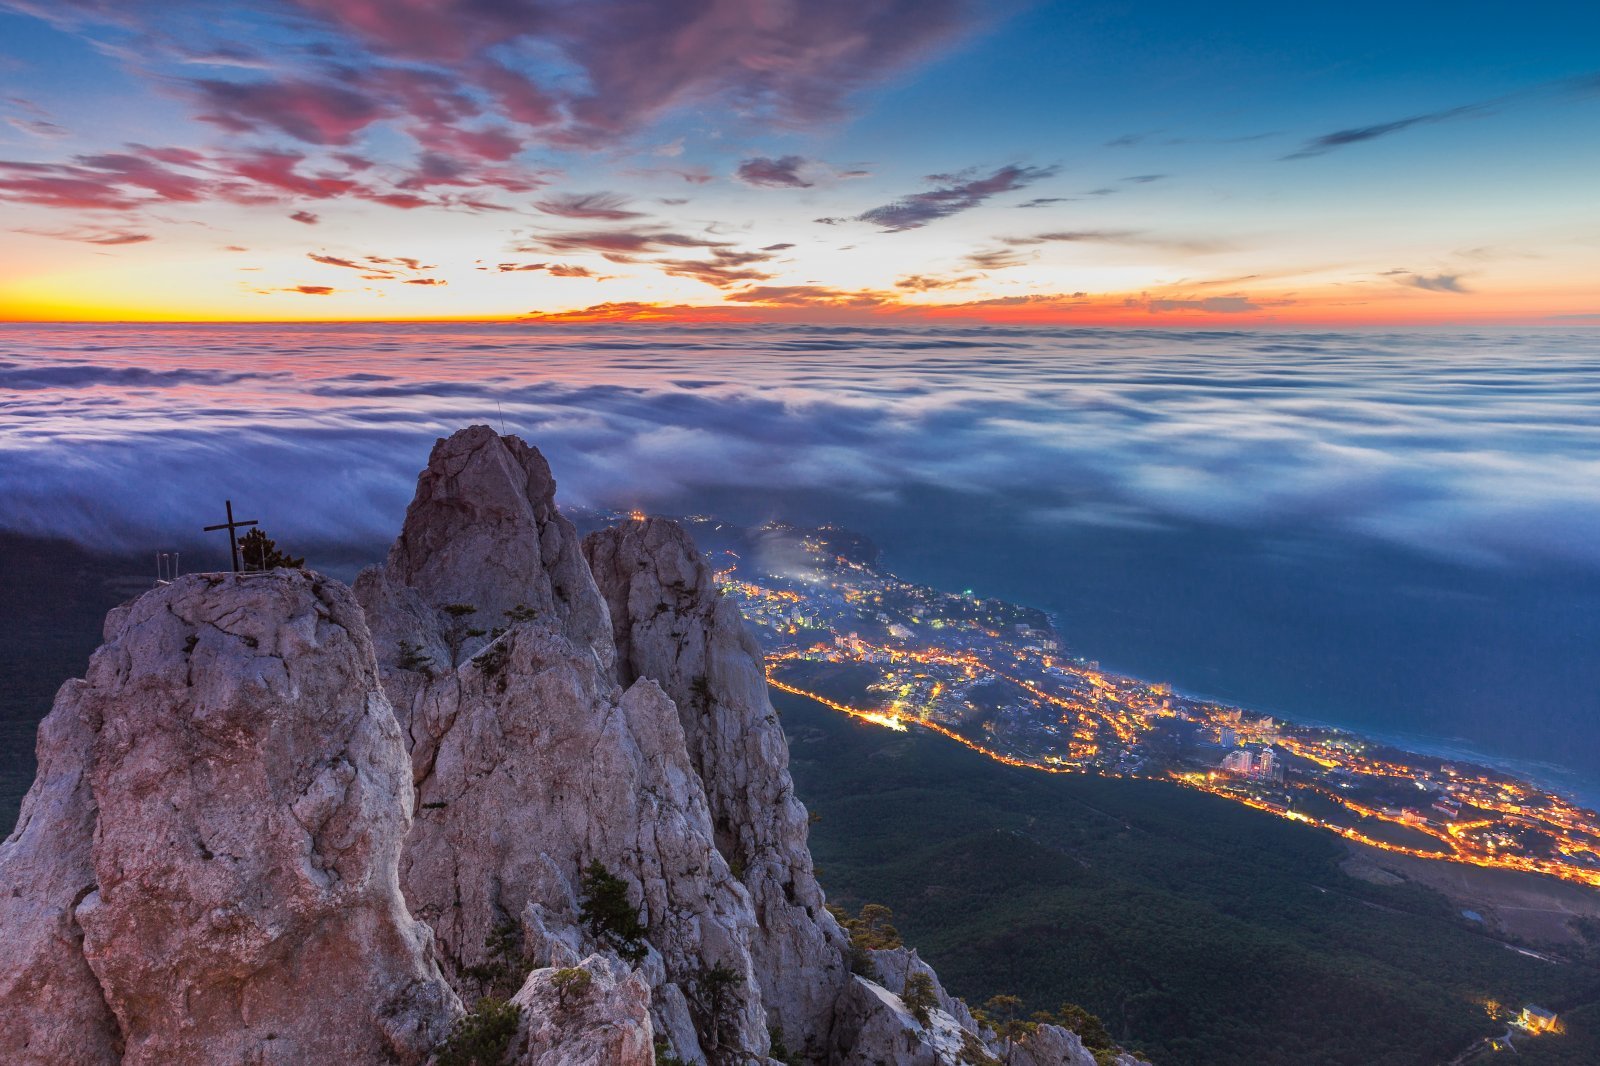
[{"x": 1444, "y": 444}]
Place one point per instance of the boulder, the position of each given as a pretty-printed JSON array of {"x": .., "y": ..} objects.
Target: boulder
[
  {"x": 226, "y": 793},
  {"x": 593, "y": 1013}
]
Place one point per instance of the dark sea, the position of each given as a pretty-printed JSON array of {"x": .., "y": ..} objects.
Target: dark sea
[{"x": 1394, "y": 532}]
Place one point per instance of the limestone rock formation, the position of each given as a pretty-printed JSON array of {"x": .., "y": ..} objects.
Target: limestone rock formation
[
  {"x": 530, "y": 762},
  {"x": 540, "y": 766},
  {"x": 1046, "y": 1045},
  {"x": 673, "y": 626},
  {"x": 875, "y": 1026},
  {"x": 483, "y": 532},
  {"x": 206, "y": 868},
  {"x": 602, "y": 1018},
  {"x": 51, "y": 1007}
]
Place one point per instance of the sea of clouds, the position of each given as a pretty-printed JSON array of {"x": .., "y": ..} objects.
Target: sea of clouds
[{"x": 1480, "y": 446}]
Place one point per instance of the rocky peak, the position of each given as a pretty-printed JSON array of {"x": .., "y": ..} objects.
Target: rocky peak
[
  {"x": 206, "y": 868},
  {"x": 483, "y": 532}
]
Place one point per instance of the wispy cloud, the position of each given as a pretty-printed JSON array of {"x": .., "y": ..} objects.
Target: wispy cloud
[
  {"x": 37, "y": 127},
  {"x": 603, "y": 206},
  {"x": 995, "y": 259},
  {"x": 403, "y": 268},
  {"x": 103, "y": 237},
  {"x": 1431, "y": 282},
  {"x": 1329, "y": 142},
  {"x": 618, "y": 245},
  {"x": 555, "y": 270},
  {"x": 931, "y": 283},
  {"x": 952, "y": 194},
  {"x": 723, "y": 268},
  {"x": 1215, "y": 305}
]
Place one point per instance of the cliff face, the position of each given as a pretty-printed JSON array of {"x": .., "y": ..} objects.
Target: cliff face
[
  {"x": 276, "y": 824},
  {"x": 206, "y": 868},
  {"x": 673, "y": 626}
]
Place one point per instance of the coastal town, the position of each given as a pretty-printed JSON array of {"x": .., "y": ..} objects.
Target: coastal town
[{"x": 997, "y": 678}]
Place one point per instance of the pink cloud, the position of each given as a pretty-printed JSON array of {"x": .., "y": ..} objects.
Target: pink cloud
[
  {"x": 316, "y": 112},
  {"x": 93, "y": 236},
  {"x": 783, "y": 172},
  {"x": 110, "y": 182},
  {"x": 606, "y": 206},
  {"x": 519, "y": 97},
  {"x": 278, "y": 170},
  {"x": 795, "y": 63}
]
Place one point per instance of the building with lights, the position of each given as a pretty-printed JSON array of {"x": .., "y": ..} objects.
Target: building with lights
[
  {"x": 1538, "y": 1020},
  {"x": 1240, "y": 762}
]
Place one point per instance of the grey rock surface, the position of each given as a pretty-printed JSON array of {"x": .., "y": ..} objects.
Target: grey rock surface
[
  {"x": 672, "y": 625},
  {"x": 211, "y": 849}
]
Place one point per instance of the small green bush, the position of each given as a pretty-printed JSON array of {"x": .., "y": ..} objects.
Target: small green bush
[
  {"x": 483, "y": 1035},
  {"x": 572, "y": 984}
]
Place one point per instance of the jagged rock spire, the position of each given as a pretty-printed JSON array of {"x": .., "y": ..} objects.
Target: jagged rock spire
[{"x": 483, "y": 530}]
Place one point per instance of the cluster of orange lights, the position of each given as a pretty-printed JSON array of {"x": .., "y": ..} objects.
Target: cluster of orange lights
[
  {"x": 1458, "y": 844},
  {"x": 1485, "y": 821}
]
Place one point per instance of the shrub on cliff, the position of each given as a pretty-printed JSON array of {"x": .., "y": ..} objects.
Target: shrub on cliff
[{"x": 483, "y": 1035}]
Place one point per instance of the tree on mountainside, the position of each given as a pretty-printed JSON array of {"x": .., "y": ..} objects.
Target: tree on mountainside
[
  {"x": 257, "y": 551},
  {"x": 609, "y": 916},
  {"x": 459, "y": 630},
  {"x": 1000, "y": 1015},
  {"x": 918, "y": 997}
]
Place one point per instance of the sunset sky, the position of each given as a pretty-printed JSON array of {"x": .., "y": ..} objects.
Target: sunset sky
[{"x": 827, "y": 160}]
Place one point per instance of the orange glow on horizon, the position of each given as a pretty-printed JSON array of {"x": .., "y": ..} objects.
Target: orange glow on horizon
[{"x": 1113, "y": 311}]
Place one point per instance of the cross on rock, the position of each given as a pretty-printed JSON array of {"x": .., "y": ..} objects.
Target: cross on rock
[{"x": 232, "y": 526}]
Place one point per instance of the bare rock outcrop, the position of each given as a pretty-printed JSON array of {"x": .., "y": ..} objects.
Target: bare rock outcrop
[
  {"x": 875, "y": 1026},
  {"x": 894, "y": 966},
  {"x": 530, "y": 762},
  {"x": 541, "y": 766},
  {"x": 593, "y": 1013},
  {"x": 211, "y": 848},
  {"x": 673, "y": 626},
  {"x": 1052, "y": 1045},
  {"x": 51, "y": 1006},
  {"x": 483, "y": 532}
]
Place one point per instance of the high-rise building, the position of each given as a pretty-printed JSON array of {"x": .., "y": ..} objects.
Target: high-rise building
[
  {"x": 1267, "y": 764},
  {"x": 1239, "y": 762}
]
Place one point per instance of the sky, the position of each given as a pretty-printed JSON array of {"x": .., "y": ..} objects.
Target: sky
[{"x": 835, "y": 161}]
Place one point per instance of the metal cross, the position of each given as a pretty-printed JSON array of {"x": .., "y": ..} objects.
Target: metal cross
[{"x": 233, "y": 540}]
